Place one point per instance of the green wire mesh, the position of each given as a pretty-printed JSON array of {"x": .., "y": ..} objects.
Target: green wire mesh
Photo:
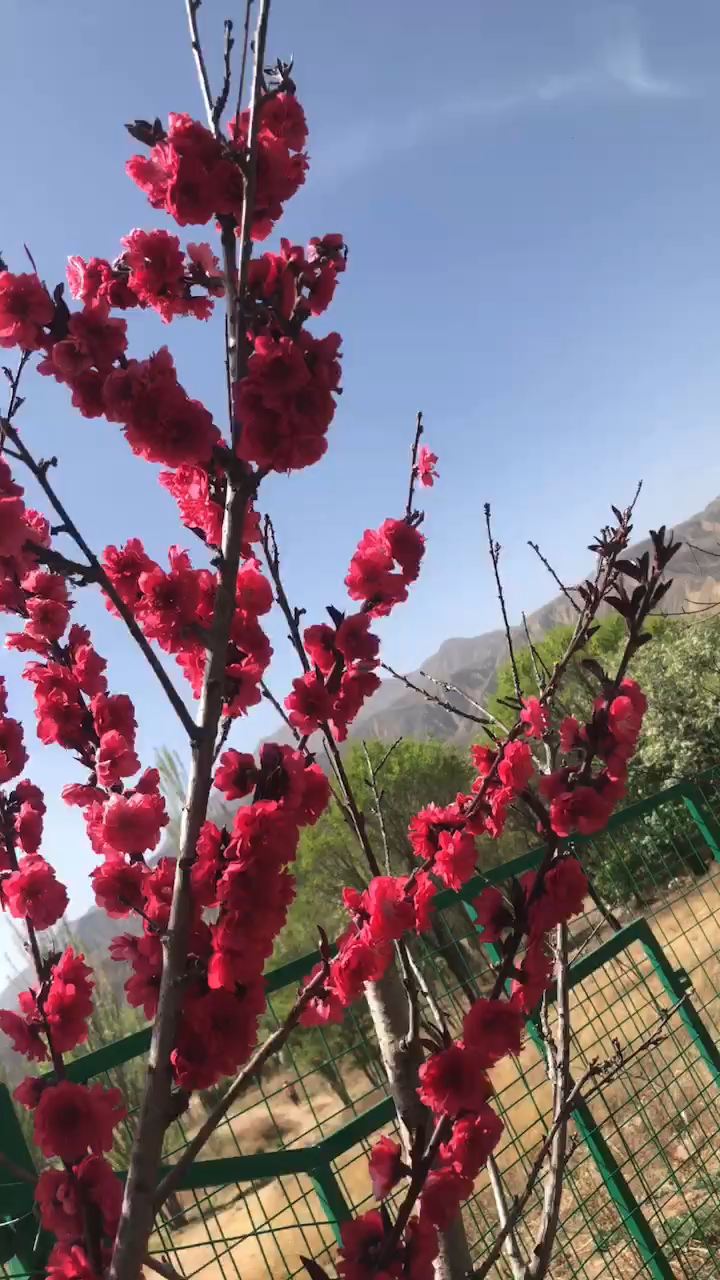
[{"x": 288, "y": 1164}]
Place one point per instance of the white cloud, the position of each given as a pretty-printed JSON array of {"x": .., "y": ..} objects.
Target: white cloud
[{"x": 618, "y": 71}]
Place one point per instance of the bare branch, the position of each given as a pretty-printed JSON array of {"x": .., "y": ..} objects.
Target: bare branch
[
  {"x": 461, "y": 693},
  {"x": 495, "y": 557},
  {"x": 243, "y": 63},
  {"x": 237, "y": 336},
  {"x": 377, "y": 803},
  {"x": 602, "y": 1073},
  {"x": 431, "y": 697},
  {"x": 512, "y": 1246},
  {"x": 270, "y": 696},
  {"x": 413, "y": 466},
  {"x": 547, "y": 1229},
  {"x": 221, "y": 101},
  {"x": 191, "y": 8},
  {"x": 565, "y": 590},
  {"x": 161, "y": 1267}
]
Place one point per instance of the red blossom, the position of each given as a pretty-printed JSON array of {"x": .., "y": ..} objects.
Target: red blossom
[
  {"x": 516, "y": 766},
  {"x": 13, "y": 756},
  {"x": 473, "y": 1139},
  {"x": 309, "y": 704},
  {"x": 72, "y": 1118},
  {"x": 492, "y": 914},
  {"x": 454, "y": 1080},
  {"x": 426, "y": 463},
  {"x": 493, "y": 1029},
  {"x": 70, "y": 1262},
  {"x": 441, "y": 1197},
  {"x": 33, "y": 893},
  {"x": 386, "y": 1166},
  {"x": 564, "y": 890},
  {"x": 132, "y": 824},
  {"x": 534, "y": 716},
  {"x": 26, "y": 309}
]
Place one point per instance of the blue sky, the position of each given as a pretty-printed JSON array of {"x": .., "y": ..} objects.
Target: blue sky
[{"x": 530, "y": 194}]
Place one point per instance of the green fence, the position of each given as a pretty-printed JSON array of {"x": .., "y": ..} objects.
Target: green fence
[{"x": 642, "y": 1197}]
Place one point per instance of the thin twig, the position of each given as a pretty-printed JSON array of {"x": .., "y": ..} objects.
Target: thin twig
[
  {"x": 512, "y": 1246},
  {"x": 221, "y": 100},
  {"x": 461, "y": 693},
  {"x": 413, "y": 466},
  {"x": 191, "y": 7},
  {"x": 535, "y": 657},
  {"x": 565, "y": 590},
  {"x": 236, "y": 331},
  {"x": 161, "y": 1267},
  {"x": 603, "y": 1073},
  {"x": 270, "y": 696},
  {"x": 377, "y": 803},
  {"x": 495, "y": 557},
  {"x": 548, "y": 1226},
  {"x": 243, "y": 64},
  {"x": 431, "y": 697}
]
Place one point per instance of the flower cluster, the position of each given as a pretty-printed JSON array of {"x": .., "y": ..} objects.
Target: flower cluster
[
  {"x": 241, "y": 893},
  {"x": 386, "y": 562},
  {"x": 152, "y": 272},
  {"x": 175, "y": 609},
  {"x": 195, "y": 176},
  {"x": 582, "y": 799}
]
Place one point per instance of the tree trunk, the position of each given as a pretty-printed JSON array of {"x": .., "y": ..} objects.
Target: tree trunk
[{"x": 388, "y": 1005}]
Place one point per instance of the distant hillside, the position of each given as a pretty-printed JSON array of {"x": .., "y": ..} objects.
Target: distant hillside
[{"x": 471, "y": 664}]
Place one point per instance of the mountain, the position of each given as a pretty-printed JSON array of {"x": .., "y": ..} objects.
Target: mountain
[{"x": 470, "y": 664}]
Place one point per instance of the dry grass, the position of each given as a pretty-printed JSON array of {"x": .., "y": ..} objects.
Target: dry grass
[{"x": 660, "y": 1121}]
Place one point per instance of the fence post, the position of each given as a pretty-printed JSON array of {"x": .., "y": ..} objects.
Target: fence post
[
  {"x": 17, "y": 1198},
  {"x": 331, "y": 1198},
  {"x": 677, "y": 984},
  {"x": 702, "y": 816},
  {"x": 632, "y": 1217},
  {"x": 619, "y": 1190}
]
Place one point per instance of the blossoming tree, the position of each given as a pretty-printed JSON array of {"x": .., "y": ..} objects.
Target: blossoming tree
[{"x": 210, "y": 915}]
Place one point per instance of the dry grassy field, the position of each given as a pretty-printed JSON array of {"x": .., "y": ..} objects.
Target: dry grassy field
[{"x": 660, "y": 1121}]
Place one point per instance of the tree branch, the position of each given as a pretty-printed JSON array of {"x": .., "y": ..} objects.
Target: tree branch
[
  {"x": 156, "y": 1112},
  {"x": 565, "y": 590},
  {"x": 431, "y": 697},
  {"x": 413, "y": 466},
  {"x": 547, "y": 1230},
  {"x": 191, "y": 8},
  {"x": 96, "y": 573},
  {"x": 515, "y": 1257},
  {"x": 249, "y": 1072},
  {"x": 495, "y": 557}
]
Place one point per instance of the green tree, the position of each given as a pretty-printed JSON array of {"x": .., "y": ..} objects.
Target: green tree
[
  {"x": 679, "y": 670},
  {"x": 329, "y": 859}
]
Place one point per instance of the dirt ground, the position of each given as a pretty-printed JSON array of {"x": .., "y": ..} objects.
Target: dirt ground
[{"x": 660, "y": 1121}]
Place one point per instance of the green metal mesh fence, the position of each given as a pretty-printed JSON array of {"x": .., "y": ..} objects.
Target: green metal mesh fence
[{"x": 642, "y": 1195}]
